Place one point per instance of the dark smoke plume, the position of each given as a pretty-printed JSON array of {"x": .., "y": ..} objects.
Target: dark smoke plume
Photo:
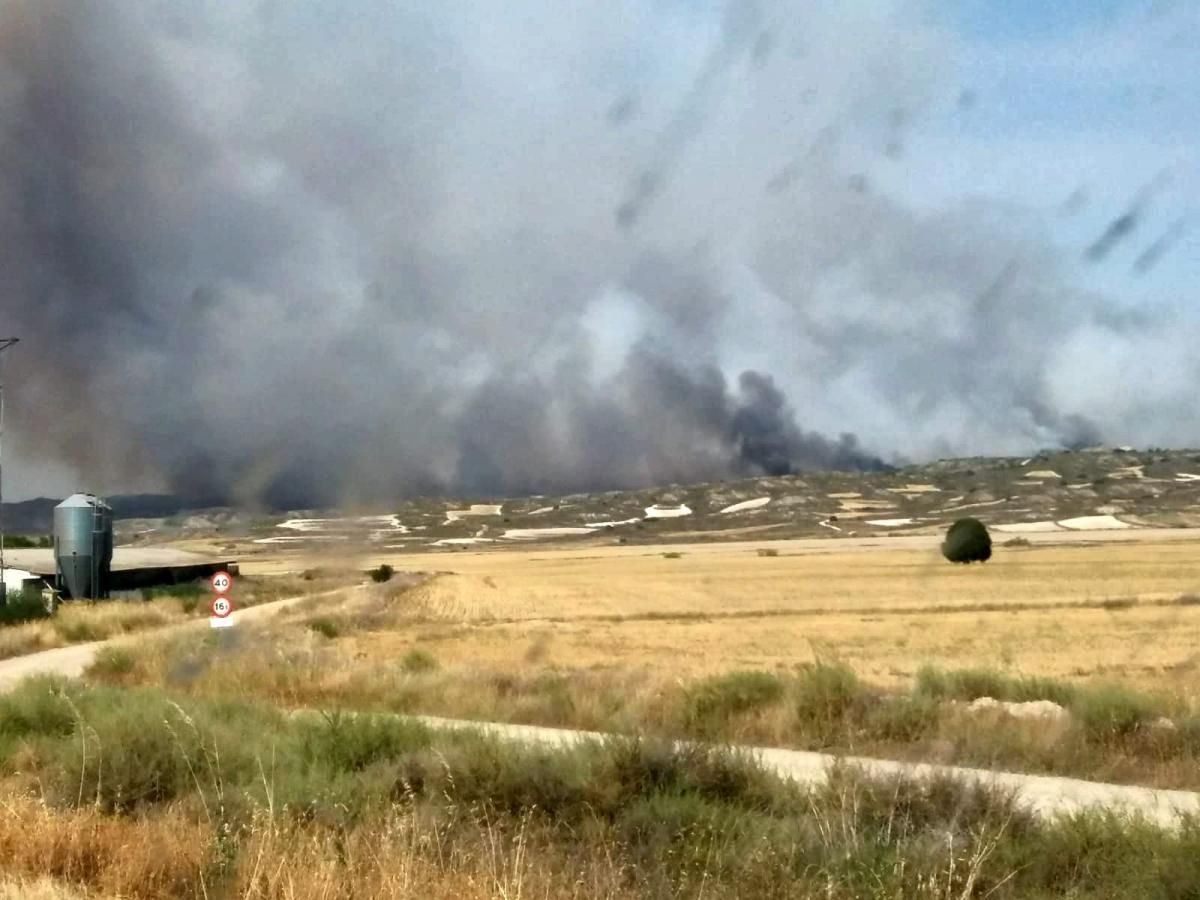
[{"x": 319, "y": 252}]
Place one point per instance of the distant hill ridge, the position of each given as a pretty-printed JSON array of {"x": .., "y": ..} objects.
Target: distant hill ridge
[{"x": 37, "y": 516}]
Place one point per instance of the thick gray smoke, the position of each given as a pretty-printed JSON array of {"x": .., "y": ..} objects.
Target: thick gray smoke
[{"x": 320, "y": 252}]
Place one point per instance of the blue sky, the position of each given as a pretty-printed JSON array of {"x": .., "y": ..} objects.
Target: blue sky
[
  {"x": 1091, "y": 98},
  {"x": 1021, "y": 20}
]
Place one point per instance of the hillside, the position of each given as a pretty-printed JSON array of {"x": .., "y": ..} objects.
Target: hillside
[{"x": 1052, "y": 491}]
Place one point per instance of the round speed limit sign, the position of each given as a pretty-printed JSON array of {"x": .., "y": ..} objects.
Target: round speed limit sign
[
  {"x": 222, "y": 582},
  {"x": 221, "y": 607}
]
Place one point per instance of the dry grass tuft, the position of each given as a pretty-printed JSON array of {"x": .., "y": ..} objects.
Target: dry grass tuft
[{"x": 163, "y": 855}]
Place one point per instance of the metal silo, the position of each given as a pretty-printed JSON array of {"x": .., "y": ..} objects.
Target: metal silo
[{"x": 83, "y": 546}]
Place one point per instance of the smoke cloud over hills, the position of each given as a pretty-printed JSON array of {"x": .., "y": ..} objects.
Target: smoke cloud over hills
[{"x": 311, "y": 253}]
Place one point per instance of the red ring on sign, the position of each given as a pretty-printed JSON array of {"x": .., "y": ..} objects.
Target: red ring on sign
[
  {"x": 217, "y": 613},
  {"x": 228, "y": 581}
]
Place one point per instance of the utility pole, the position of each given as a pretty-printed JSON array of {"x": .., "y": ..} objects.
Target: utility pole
[{"x": 5, "y": 343}]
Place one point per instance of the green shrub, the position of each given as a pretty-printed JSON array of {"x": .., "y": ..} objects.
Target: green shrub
[
  {"x": 1111, "y": 712},
  {"x": 829, "y": 699},
  {"x": 710, "y": 704},
  {"x": 21, "y": 608},
  {"x": 672, "y": 554},
  {"x": 36, "y": 708},
  {"x": 27, "y": 542},
  {"x": 112, "y": 663},
  {"x": 79, "y": 631},
  {"x": 381, "y": 573},
  {"x": 191, "y": 595},
  {"x": 416, "y": 661},
  {"x": 971, "y": 684},
  {"x": 905, "y": 718},
  {"x": 967, "y": 541},
  {"x": 350, "y": 743},
  {"x": 767, "y": 551},
  {"x": 325, "y": 626}
]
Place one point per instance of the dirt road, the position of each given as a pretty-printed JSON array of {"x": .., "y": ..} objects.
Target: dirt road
[
  {"x": 71, "y": 661},
  {"x": 1042, "y": 795}
]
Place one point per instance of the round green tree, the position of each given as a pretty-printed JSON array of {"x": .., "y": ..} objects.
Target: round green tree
[{"x": 967, "y": 541}]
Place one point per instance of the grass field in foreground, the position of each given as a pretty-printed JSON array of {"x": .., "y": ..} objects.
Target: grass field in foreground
[
  {"x": 135, "y": 793},
  {"x": 312, "y": 656}
]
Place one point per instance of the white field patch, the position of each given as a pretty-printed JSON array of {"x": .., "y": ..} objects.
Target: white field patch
[
  {"x": 306, "y": 539},
  {"x": 614, "y": 524},
  {"x": 866, "y": 505},
  {"x": 303, "y": 524},
  {"x": 1026, "y": 527},
  {"x": 889, "y": 523},
  {"x": 451, "y": 542},
  {"x": 1093, "y": 523},
  {"x": 1129, "y": 472},
  {"x": 1042, "y": 474},
  {"x": 390, "y": 523},
  {"x": 951, "y": 509},
  {"x": 845, "y": 495},
  {"x": 542, "y": 510},
  {"x": 475, "y": 509},
  {"x": 1186, "y": 476},
  {"x": 756, "y": 503},
  {"x": 915, "y": 489},
  {"x": 667, "y": 512},
  {"x": 532, "y": 534},
  {"x": 825, "y": 523}
]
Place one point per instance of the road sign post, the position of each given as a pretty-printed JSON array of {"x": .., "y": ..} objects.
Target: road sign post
[{"x": 221, "y": 606}]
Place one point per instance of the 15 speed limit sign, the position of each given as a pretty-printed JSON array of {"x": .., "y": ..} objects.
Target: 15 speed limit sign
[{"x": 222, "y": 582}]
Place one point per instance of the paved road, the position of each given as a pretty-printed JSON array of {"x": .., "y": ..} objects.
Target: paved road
[{"x": 1042, "y": 794}]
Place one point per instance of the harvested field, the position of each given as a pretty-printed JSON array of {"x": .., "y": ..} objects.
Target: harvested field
[{"x": 1075, "y": 610}]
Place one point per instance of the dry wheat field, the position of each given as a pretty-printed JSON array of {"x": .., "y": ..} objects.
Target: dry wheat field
[{"x": 1077, "y": 610}]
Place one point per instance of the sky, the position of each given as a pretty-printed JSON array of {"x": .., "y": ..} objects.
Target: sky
[{"x": 250, "y": 229}]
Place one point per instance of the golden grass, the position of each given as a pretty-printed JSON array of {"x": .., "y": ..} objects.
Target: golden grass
[
  {"x": 82, "y": 622},
  {"x": 1075, "y": 611},
  {"x": 62, "y": 854},
  {"x": 718, "y": 579},
  {"x": 149, "y": 858},
  {"x": 41, "y": 889}
]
